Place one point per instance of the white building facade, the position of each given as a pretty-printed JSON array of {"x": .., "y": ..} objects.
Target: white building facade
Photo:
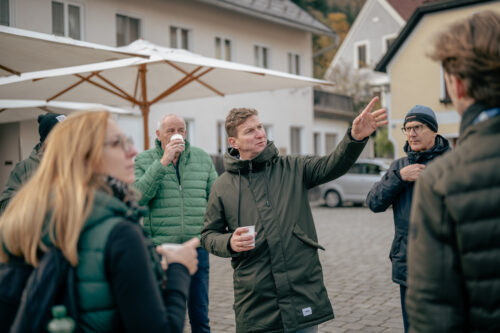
[{"x": 274, "y": 34}]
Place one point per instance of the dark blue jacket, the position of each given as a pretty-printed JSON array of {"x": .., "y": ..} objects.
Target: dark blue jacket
[{"x": 392, "y": 190}]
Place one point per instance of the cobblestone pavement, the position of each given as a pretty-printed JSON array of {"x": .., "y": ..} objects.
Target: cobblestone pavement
[{"x": 356, "y": 269}]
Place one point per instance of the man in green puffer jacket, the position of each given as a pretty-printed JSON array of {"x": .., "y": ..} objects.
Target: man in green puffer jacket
[
  {"x": 23, "y": 170},
  {"x": 454, "y": 237},
  {"x": 175, "y": 180},
  {"x": 278, "y": 280}
]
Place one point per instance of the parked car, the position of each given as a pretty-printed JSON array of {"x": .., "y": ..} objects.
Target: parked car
[{"x": 355, "y": 184}]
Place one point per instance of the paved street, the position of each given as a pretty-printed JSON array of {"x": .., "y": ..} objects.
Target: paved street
[{"x": 356, "y": 268}]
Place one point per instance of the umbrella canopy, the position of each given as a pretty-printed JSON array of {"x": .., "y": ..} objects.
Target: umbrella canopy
[
  {"x": 168, "y": 73},
  {"x": 19, "y": 110},
  {"x": 27, "y": 51}
]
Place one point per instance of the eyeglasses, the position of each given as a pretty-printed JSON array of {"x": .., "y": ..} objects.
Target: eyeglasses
[
  {"x": 126, "y": 143},
  {"x": 417, "y": 128}
]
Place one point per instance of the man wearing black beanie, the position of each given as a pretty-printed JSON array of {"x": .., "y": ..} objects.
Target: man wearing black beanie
[
  {"x": 396, "y": 186},
  {"x": 23, "y": 170}
]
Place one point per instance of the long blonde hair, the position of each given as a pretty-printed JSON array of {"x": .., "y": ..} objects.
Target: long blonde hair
[{"x": 61, "y": 192}]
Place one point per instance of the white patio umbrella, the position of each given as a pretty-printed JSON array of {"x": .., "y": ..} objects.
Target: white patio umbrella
[
  {"x": 24, "y": 51},
  {"x": 19, "y": 110},
  {"x": 176, "y": 74}
]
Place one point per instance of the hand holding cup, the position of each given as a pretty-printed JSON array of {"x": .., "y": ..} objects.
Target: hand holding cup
[
  {"x": 173, "y": 149},
  {"x": 184, "y": 254},
  {"x": 243, "y": 239}
]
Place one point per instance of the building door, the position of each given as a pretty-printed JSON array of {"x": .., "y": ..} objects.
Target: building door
[{"x": 10, "y": 152}]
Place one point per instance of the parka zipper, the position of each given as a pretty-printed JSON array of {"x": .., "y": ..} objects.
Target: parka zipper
[{"x": 249, "y": 173}]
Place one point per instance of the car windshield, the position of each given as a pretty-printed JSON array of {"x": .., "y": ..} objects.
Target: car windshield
[{"x": 367, "y": 169}]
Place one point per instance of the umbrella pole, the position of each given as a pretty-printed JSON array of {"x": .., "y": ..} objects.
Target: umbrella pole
[
  {"x": 145, "y": 121},
  {"x": 145, "y": 105}
]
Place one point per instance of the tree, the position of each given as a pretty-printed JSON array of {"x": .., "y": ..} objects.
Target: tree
[
  {"x": 383, "y": 147},
  {"x": 351, "y": 82}
]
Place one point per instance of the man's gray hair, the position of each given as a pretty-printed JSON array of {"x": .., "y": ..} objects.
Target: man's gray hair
[{"x": 162, "y": 120}]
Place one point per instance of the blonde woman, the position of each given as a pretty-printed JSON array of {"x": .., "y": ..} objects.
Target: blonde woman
[{"x": 79, "y": 200}]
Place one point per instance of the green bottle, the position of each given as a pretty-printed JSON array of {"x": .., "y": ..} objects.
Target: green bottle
[{"x": 60, "y": 323}]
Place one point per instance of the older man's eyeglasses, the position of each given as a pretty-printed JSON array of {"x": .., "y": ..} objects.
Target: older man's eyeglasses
[
  {"x": 124, "y": 142},
  {"x": 417, "y": 128}
]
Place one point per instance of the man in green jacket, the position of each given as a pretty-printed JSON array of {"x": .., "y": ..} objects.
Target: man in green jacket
[
  {"x": 23, "y": 170},
  {"x": 278, "y": 280},
  {"x": 175, "y": 180},
  {"x": 454, "y": 238}
]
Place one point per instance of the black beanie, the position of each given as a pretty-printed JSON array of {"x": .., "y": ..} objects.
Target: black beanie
[
  {"x": 46, "y": 122},
  {"x": 423, "y": 114}
]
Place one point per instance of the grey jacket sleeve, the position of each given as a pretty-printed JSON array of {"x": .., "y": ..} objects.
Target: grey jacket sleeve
[
  {"x": 434, "y": 298},
  {"x": 148, "y": 180},
  {"x": 384, "y": 192},
  {"x": 215, "y": 237},
  {"x": 319, "y": 170}
]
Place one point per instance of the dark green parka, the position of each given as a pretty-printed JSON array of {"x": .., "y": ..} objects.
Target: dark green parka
[
  {"x": 21, "y": 173},
  {"x": 278, "y": 286}
]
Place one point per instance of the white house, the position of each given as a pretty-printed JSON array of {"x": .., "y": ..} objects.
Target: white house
[
  {"x": 274, "y": 34},
  {"x": 374, "y": 30}
]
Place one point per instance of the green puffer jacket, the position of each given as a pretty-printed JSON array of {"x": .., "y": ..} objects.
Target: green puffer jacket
[
  {"x": 21, "y": 173},
  {"x": 97, "y": 309},
  {"x": 454, "y": 240},
  {"x": 278, "y": 286},
  {"x": 175, "y": 210}
]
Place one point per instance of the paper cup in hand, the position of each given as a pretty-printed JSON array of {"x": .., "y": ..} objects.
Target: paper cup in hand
[
  {"x": 176, "y": 137},
  {"x": 251, "y": 231},
  {"x": 171, "y": 246}
]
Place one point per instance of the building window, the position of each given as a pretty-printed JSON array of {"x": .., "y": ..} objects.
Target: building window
[
  {"x": 190, "y": 130},
  {"x": 128, "y": 29},
  {"x": 330, "y": 142},
  {"x": 67, "y": 19},
  {"x": 317, "y": 143},
  {"x": 180, "y": 38},
  {"x": 269, "y": 132},
  {"x": 389, "y": 42},
  {"x": 261, "y": 56},
  {"x": 5, "y": 12},
  {"x": 223, "y": 49},
  {"x": 221, "y": 138},
  {"x": 361, "y": 54},
  {"x": 296, "y": 140},
  {"x": 444, "y": 97},
  {"x": 293, "y": 63}
]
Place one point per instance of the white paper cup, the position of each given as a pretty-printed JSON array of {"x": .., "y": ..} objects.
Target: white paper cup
[
  {"x": 171, "y": 246},
  {"x": 176, "y": 137},
  {"x": 251, "y": 231}
]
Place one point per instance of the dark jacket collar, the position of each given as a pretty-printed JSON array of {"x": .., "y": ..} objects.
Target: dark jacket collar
[
  {"x": 232, "y": 162},
  {"x": 441, "y": 145},
  {"x": 470, "y": 114}
]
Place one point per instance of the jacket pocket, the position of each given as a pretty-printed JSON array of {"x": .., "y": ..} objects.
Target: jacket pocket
[{"x": 297, "y": 231}]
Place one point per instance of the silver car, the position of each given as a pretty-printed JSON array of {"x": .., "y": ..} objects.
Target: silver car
[{"x": 355, "y": 184}]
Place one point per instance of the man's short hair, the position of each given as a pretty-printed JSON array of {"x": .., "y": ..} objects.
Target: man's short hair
[
  {"x": 469, "y": 49},
  {"x": 236, "y": 117},
  {"x": 162, "y": 120}
]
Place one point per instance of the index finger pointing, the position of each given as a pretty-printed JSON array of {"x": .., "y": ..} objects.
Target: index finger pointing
[{"x": 370, "y": 105}]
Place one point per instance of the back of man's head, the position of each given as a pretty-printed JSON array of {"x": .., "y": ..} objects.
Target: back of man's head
[
  {"x": 236, "y": 117},
  {"x": 470, "y": 50},
  {"x": 46, "y": 122}
]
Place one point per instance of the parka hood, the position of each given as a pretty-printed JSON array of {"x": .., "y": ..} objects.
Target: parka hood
[
  {"x": 37, "y": 152},
  {"x": 232, "y": 162}
]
